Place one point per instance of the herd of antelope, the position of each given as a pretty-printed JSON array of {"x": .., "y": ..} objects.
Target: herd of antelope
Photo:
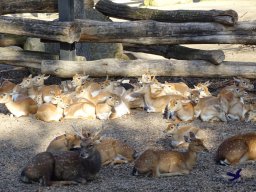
[
  {"x": 77, "y": 158},
  {"x": 86, "y": 99}
]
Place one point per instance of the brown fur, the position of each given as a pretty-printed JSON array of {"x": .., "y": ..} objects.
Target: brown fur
[
  {"x": 237, "y": 149},
  {"x": 161, "y": 163}
]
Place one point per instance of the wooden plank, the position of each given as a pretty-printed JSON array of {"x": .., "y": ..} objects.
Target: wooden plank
[{"x": 66, "y": 13}]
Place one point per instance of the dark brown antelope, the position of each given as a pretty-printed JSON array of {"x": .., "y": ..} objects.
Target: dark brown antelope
[{"x": 64, "y": 168}]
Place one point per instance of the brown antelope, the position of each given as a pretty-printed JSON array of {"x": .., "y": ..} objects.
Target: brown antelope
[
  {"x": 21, "y": 107},
  {"x": 51, "y": 111},
  {"x": 114, "y": 151},
  {"x": 79, "y": 80},
  {"x": 181, "y": 109},
  {"x": 35, "y": 86},
  {"x": 244, "y": 83},
  {"x": 156, "y": 104},
  {"x": 251, "y": 112},
  {"x": 93, "y": 93},
  {"x": 83, "y": 110},
  {"x": 63, "y": 168},
  {"x": 232, "y": 100},
  {"x": 64, "y": 142},
  {"x": 104, "y": 109},
  {"x": 120, "y": 108},
  {"x": 237, "y": 149},
  {"x": 203, "y": 89},
  {"x": 180, "y": 87},
  {"x": 210, "y": 109},
  {"x": 177, "y": 133},
  {"x": 147, "y": 78},
  {"x": 162, "y": 163},
  {"x": 7, "y": 87}
]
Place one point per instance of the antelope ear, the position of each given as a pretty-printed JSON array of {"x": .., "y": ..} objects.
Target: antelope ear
[
  {"x": 236, "y": 79},
  {"x": 46, "y": 77},
  {"x": 207, "y": 83}
]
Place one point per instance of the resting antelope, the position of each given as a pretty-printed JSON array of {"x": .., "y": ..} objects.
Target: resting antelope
[
  {"x": 181, "y": 109},
  {"x": 177, "y": 133},
  {"x": 237, "y": 149},
  {"x": 210, "y": 109},
  {"x": 64, "y": 142},
  {"x": 21, "y": 107},
  {"x": 65, "y": 167},
  {"x": 156, "y": 104},
  {"x": 7, "y": 87},
  {"x": 51, "y": 111},
  {"x": 162, "y": 163}
]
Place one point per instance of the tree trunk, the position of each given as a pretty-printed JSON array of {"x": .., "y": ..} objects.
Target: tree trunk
[
  {"x": 153, "y": 32},
  {"x": 138, "y": 32},
  {"x": 179, "y": 52},
  {"x": 115, "y": 67},
  {"x": 28, "y": 6},
  {"x": 107, "y": 7}
]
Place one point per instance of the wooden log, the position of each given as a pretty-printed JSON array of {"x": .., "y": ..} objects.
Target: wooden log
[
  {"x": 179, "y": 52},
  {"x": 115, "y": 67},
  {"x": 28, "y": 6},
  {"x": 12, "y": 40},
  {"x": 153, "y": 32},
  {"x": 138, "y": 32},
  {"x": 22, "y": 64},
  {"x": 52, "y": 30},
  {"x": 111, "y": 9},
  {"x": 24, "y": 58}
]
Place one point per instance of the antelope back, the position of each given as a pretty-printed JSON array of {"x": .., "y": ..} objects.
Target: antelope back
[{"x": 64, "y": 142}]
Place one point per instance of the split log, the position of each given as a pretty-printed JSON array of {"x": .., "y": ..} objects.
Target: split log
[
  {"x": 24, "y": 58},
  {"x": 138, "y": 32},
  {"x": 115, "y": 67},
  {"x": 179, "y": 52},
  {"x": 28, "y": 6},
  {"x": 52, "y": 30},
  {"x": 111, "y": 9}
]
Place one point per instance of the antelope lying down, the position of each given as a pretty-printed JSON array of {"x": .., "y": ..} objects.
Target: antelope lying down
[{"x": 162, "y": 163}]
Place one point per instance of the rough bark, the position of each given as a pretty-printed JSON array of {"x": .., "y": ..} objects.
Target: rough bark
[
  {"x": 109, "y": 8},
  {"x": 52, "y": 30},
  {"x": 179, "y": 52},
  {"x": 153, "y": 32},
  {"x": 114, "y": 67},
  {"x": 28, "y": 6},
  {"x": 139, "y": 32}
]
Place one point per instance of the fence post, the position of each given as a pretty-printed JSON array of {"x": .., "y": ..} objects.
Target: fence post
[{"x": 66, "y": 13}]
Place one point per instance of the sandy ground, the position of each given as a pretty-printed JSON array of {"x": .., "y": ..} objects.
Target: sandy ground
[{"x": 22, "y": 138}]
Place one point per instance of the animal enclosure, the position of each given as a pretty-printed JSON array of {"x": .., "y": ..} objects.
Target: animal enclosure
[{"x": 21, "y": 138}]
